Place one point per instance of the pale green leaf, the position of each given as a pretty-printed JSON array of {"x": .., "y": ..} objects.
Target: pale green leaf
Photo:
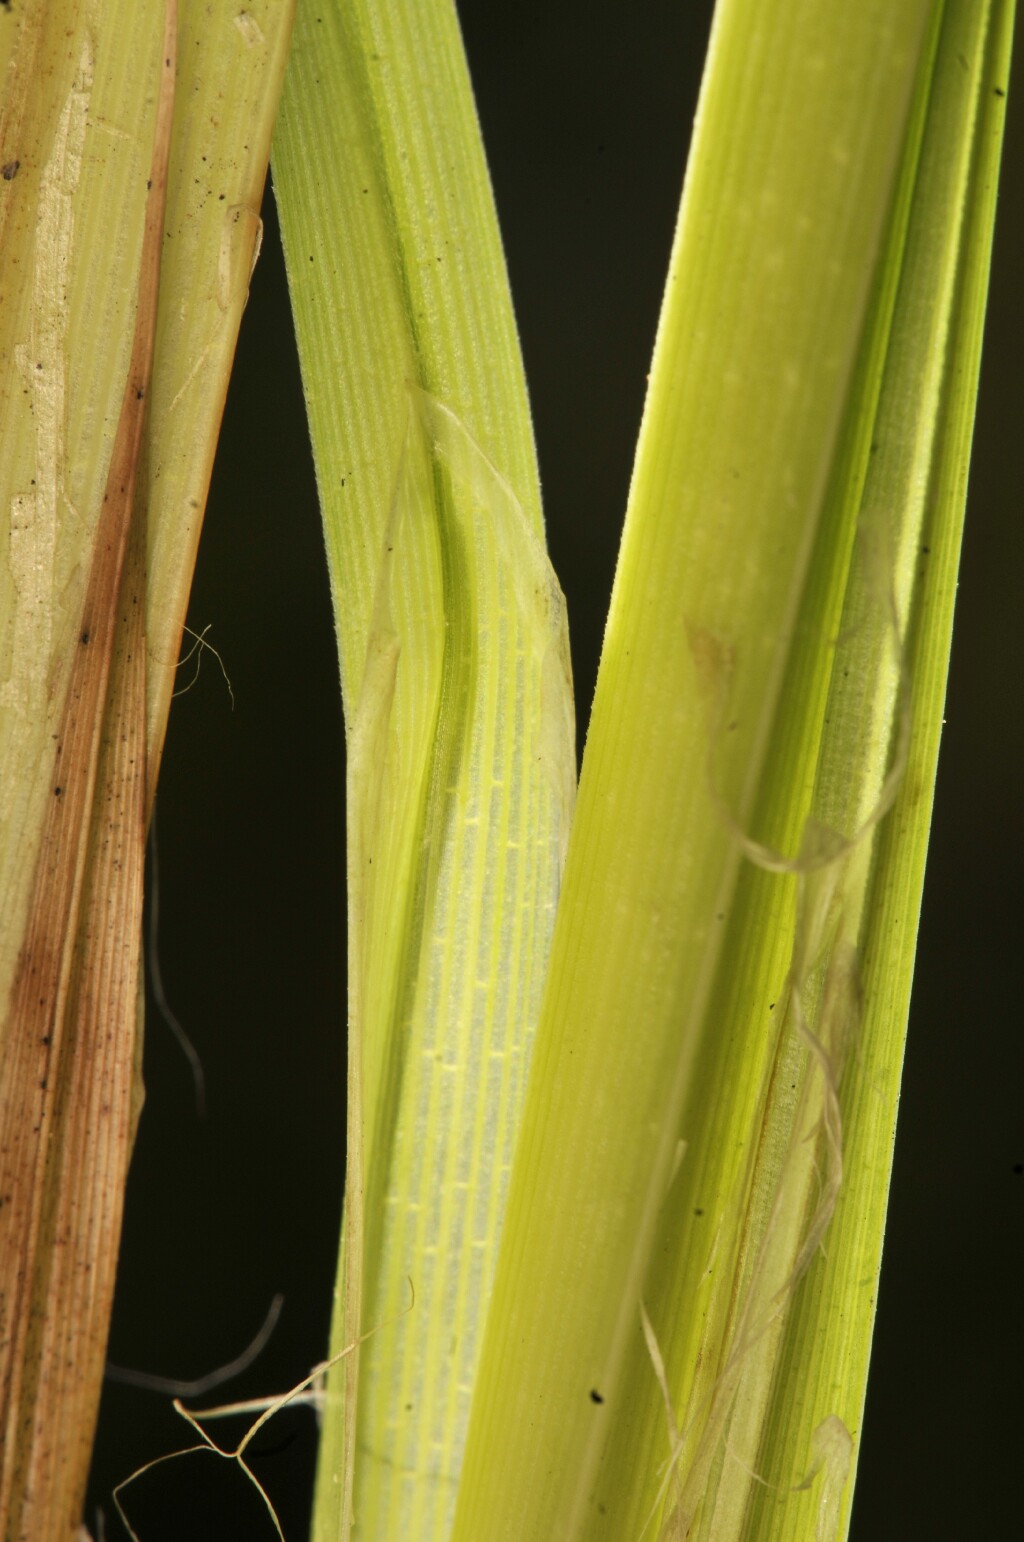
[{"x": 461, "y": 771}]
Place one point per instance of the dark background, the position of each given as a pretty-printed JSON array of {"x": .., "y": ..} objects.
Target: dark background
[{"x": 586, "y": 120}]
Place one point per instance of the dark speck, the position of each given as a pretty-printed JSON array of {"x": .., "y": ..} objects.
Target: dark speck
[
  {"x": 10, "y": 171},
  {"x": 997, "y": 89},
  {"x": 595, "y": 1396}
]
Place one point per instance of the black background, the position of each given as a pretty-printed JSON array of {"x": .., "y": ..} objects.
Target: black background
[{"x": 586, "y": 111}]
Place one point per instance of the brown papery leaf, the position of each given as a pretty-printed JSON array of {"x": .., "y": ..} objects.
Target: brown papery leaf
[{"x": 66, "y": 1082}]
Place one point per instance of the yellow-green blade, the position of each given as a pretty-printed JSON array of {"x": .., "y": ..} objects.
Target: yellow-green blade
[
  {"x": 460, "y": 770},
  {"x": 724, "y": 900},
  {"x": 783, "y": 1399}
]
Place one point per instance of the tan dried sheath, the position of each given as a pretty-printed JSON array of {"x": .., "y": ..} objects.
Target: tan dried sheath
[{"x": 66, "y": 1077}]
